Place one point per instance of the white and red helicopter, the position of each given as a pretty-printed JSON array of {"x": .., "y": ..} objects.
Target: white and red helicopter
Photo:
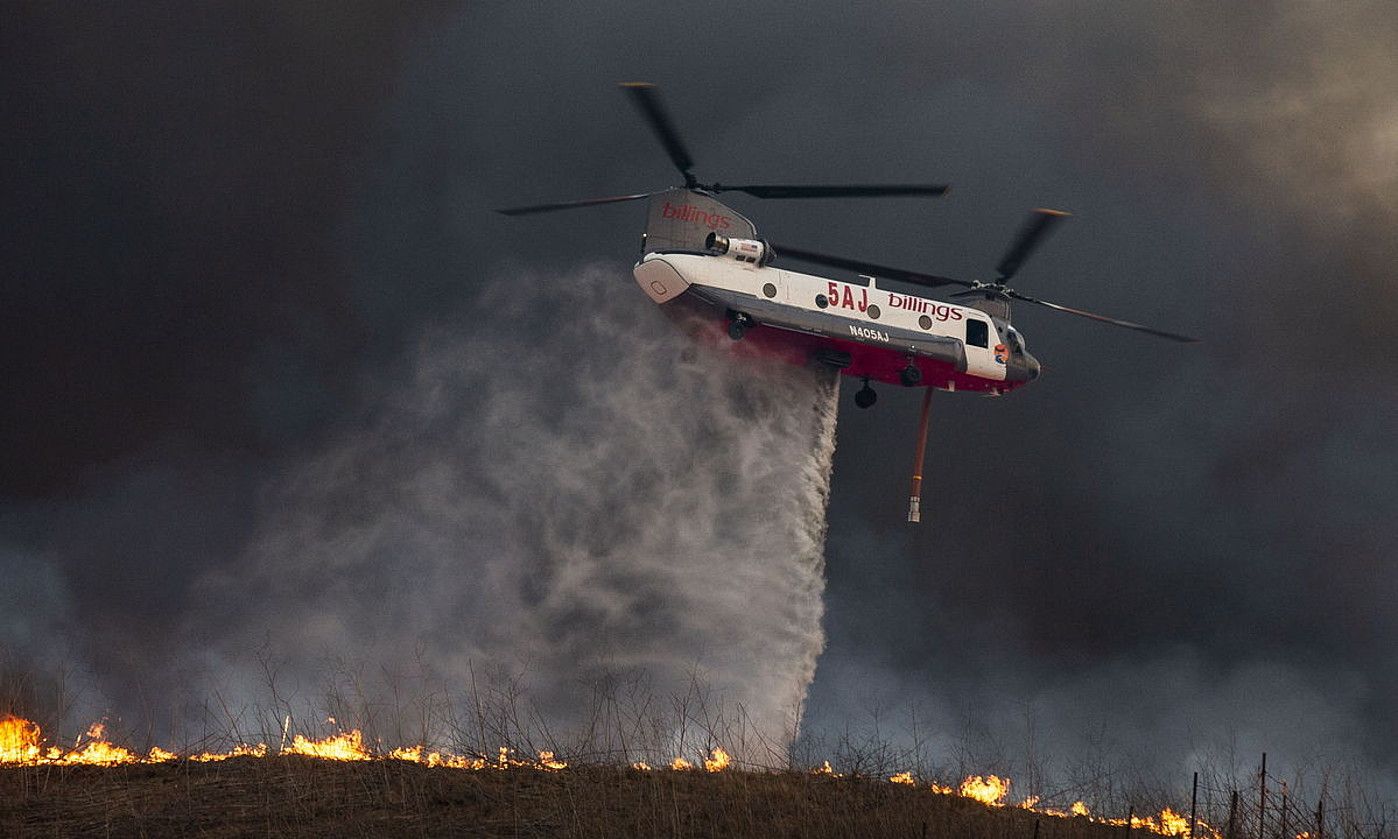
[{"x": 703, "y": 260}]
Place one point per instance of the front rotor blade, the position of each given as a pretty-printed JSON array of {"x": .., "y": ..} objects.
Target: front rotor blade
[
  {"x": 850, "y": 191},
  {"x": 1104, "y": 319},
  {"x": 569, "y": 205},
  {"x": 870, "y": 268},
  {"x": 647, "y": 100},
  {"x": 1040, "y": 222}
]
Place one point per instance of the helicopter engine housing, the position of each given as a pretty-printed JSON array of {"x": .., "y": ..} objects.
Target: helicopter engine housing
[{"x": 753, "y": 251}]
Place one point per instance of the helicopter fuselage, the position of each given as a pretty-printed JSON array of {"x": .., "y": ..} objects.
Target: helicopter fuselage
[
  {"x": 862, "y": 330},
  {"x": 704, "y": 265}
]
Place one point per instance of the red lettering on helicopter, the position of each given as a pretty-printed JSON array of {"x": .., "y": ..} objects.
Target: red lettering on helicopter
[
  {"x": 912, "y": 304},
  {"x": 847, "y": 299},
  {"x": 689, "y": 212}
]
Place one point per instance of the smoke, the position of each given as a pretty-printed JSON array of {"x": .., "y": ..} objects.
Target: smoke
[
  {"x": 1218, "y": 516},
  {"x": 564, "y": 489}
]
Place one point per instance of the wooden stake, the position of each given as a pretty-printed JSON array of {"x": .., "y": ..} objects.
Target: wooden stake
[
  {"x": 1193, "y": 805},
  {"x": 1262, "y": 800}
]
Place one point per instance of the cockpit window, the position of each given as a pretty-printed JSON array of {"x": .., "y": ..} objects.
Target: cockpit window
[{"x": 977, "y": 333}]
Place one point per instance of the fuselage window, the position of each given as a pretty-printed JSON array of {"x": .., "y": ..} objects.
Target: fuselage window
[{"x": 977, "y": 333}]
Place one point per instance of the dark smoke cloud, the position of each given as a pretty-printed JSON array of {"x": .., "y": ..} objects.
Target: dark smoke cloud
[
  {"x": 1176, "y": 544},
  {"x": 171, "y": 185}
]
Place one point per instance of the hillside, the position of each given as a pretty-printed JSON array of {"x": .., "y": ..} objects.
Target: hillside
[{"x": 301, "y": 796}]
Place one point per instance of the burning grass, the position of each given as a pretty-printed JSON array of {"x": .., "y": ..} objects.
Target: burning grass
[
  {"x": 293, "y": 795},
  {"x": 337, "y": 785}
]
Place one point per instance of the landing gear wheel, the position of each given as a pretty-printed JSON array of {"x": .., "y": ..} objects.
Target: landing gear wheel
[
  {"x": 738, "y": 324},
  {"x": 865, "y": 397},
  {"x": 910, "y": 376}
]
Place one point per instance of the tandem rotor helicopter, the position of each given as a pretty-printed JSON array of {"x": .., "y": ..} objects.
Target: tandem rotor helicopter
[{"x": 702, "y": 259}]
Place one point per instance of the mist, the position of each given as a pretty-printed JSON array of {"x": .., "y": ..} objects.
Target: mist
[{"x": 597, "y": 499}]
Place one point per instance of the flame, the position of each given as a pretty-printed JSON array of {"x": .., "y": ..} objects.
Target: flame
[
  {"x": 547, "y": 761},
  {"x": 411, "y": 754},
  {"x": 456, "y": 761},
  {"x": 420, "y": 754},
  {"x": 1077, "y": 809},
  {"x": 101, "y": 753},
  {"x": 1166, "y": 823},
  {"x": 1171, "y": 823},
  {"x": 990, "y": 790},
  {"x": 97, "y": 752},
  {"x": 347, "y": 745},
  {"x": 19, "y": 740},
  {"x": 434, "y": 759},
  {"x": 505, "y": 761},
  {"x": 242, "y": 750}
]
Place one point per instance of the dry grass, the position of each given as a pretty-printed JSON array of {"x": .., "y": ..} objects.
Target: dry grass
[{"x": 289, "y": 796}]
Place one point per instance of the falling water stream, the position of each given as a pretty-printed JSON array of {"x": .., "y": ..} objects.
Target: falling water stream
[{"x": 563, "y": 492}]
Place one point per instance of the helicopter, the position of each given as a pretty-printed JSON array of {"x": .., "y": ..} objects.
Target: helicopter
[{"x": 704, "y": 263}]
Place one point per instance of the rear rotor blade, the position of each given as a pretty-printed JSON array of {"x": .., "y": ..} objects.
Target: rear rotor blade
[
  {"x": 647, "y": 100},
  {"x": 850, "y": 191},
  {"x": 870, "y": 268},
  {"x": 1040, "y": 222},
  {"x": 1104, "y": 319},
  {"x": 570, "y": 205}
]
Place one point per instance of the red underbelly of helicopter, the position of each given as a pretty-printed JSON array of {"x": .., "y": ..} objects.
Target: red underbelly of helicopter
[{"x": 878, "y": 364}]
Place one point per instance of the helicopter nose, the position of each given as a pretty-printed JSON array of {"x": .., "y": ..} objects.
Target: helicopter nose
[{"x": 1023, "y": 368}]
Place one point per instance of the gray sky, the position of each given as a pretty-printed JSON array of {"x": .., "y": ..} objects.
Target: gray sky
[{"x": 228, "y": 232}]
